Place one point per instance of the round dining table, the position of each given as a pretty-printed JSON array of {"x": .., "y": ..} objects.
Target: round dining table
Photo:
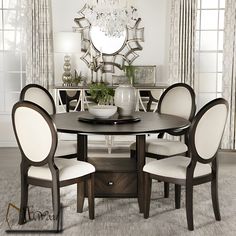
[{"x": 125, "y": 181}]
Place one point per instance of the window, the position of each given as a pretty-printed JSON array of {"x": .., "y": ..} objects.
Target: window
[
  {"x": 12, "y": 55},
  {"x": 209, "y": 50}
]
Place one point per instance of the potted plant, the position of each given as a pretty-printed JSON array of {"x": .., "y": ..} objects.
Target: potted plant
[
  {"x": 101, "y": 93},
  {"x": 77, "y": 78},
  {"x": 129, "y": 72}
]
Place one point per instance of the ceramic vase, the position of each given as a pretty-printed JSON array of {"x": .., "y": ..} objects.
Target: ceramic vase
[{"x": 125, "y": 99}]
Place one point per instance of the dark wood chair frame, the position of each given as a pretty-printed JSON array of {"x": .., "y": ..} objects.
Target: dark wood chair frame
[
  {"x": 193, "y": 110},
  {"x": 150, "y": 101},
  {"x": 55, "y": 184},
  {"x": 190, "y": 180},
  {"x": 178, "y": 132},
  {"x": 71, "y": 98},
  {"x": 22, "y": 98}
]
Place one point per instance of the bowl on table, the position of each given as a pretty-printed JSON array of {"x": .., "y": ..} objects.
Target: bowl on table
[{"x": 102, "y": 111}]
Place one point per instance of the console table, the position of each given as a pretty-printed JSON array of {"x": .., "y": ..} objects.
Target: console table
[
  {"x": 83, "y": 99},
  {"x": 117, "y": 177}
]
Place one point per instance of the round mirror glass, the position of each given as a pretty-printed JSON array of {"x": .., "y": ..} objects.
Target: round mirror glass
[{"x": 106, "y": 44}]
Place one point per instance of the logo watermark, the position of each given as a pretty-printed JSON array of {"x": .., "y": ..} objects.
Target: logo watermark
[{"x": 37, "y": 216}]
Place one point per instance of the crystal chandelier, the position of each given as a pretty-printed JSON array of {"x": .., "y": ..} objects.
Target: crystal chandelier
[{"x": 111, "y": 16}]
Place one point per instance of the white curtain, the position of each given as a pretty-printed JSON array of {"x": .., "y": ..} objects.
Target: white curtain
[
  {"x": 182, "y": 41},
  {"x": 229, "y": 72},
  {"x": 39, "y": 41},
  {"x": 182, "y": 44}
]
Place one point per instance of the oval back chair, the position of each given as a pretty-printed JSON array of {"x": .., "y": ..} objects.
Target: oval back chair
[
  {"x": 205, "y": 135},
  {"x": 38, "y": 166},
  {"x": 179, "y": 100},
  {"x": 39, "y": 95}
]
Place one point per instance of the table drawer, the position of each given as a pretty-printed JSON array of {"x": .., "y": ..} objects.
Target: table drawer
[{"x": 115, "y": 184}]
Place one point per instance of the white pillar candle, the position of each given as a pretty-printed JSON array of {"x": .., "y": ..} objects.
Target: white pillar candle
[
  {"x": 91, "y": 55},
  {"x": 101, "y": 55}
]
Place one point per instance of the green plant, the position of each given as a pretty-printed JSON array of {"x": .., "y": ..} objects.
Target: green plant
[
  {"x": 101, "y": 93},
  {"x": 129, "y": 72},
  {"x": 77, "y": 78}
]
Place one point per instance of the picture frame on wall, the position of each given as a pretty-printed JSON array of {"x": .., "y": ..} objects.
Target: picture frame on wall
[
  {"x": 145, "y": 75},
  {"x": 119, "y": 79}
]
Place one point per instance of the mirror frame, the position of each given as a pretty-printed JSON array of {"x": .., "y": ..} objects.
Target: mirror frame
[{"x": 126, "y": 54}]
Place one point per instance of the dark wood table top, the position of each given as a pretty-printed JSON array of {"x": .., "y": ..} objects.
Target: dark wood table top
[{"x": 150, "y": 123}]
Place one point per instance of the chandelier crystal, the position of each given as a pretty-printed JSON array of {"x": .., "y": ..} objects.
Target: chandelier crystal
[{"x": 111, "y": 16}]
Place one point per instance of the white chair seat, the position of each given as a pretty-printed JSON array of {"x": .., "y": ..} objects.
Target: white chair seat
[
  {"x": 66, "y": 147},
  {"x": 175, "y": 167},
  {"x": 68, "y": 169},
  {"x": 163, "y": 147}
]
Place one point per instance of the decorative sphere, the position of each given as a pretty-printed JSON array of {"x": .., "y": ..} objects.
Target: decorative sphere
[
  {"x": 67, "y": 59},
  {"x": 67, "y": 67},
  {"x": 67, "y": 78}
]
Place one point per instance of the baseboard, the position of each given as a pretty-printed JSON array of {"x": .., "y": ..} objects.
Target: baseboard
[
  {"x": 227, "y": 156},
  {"x": 228, "y": 150}
]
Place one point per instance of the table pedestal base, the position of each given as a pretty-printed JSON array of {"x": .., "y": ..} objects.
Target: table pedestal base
[{"x": 115, "y": 177}]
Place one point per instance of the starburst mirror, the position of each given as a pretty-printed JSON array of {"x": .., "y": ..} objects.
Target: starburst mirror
[{"x": 106, "y": 52}]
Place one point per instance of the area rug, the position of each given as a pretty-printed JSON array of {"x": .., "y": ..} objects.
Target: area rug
[{"x": 121, "y": 216}]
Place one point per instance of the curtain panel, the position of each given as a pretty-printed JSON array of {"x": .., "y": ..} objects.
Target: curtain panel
[
  {"x": 229, "y": 72},
  {"x": 181, "y": 60},
  {"x": 182, "y": 41},
  {"x": 39, "y": 43}
]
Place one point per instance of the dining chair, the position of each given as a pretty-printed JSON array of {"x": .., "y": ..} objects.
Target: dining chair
[
  {"x": 154, "y": 96},
  {"x": 38, "y": 165},
  {"x": 37, "y": 94},
  {"x": 201, "y": 167},
  {"x": 178, "y": 99},
  {"x": 72, "y": 98}
]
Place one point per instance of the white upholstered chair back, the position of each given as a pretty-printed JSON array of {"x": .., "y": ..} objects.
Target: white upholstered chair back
[
  {"x": 209, "y": 128},
  {"x": 178, "y": 100},
  {"x": 33, "y": 133},
  {"x": 40, "y": 96}
]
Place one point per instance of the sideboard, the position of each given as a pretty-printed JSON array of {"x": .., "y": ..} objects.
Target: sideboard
[{"x": 82, "y": 100}]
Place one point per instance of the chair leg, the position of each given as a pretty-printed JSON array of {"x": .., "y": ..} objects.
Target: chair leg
[
  {"x": 80, "y": 197},
  {"x": 24, "y": 201},
  {"x": 189, "y": 206},
  {"x": 147, "y": 194},
  {"x": 132, "y": 154},
  {"x": 90, "y": 187},
  {"x": 56, "y": 206},
  {"x": 166, "y": 189},
  {"x": 214, "y": 196},
  {"x": 177, "y": 196}
]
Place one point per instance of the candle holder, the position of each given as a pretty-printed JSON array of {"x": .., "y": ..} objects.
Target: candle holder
[
  {"x": 101, "y": 66},
  {"x": 91, "y": 66}
]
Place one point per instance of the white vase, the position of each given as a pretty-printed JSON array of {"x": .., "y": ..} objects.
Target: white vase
[{"x": 125, "y": 99}]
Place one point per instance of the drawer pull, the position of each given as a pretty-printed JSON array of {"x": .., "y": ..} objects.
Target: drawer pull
[{"x": 110, "y": 183}]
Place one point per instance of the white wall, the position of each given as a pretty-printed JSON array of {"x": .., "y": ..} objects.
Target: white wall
[
  {"x": 7, "y": 138},
  {"x": 155, "y": 19}
]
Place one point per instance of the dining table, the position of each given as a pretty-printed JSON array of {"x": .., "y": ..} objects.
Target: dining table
[{"x": 116, "y": 177}]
